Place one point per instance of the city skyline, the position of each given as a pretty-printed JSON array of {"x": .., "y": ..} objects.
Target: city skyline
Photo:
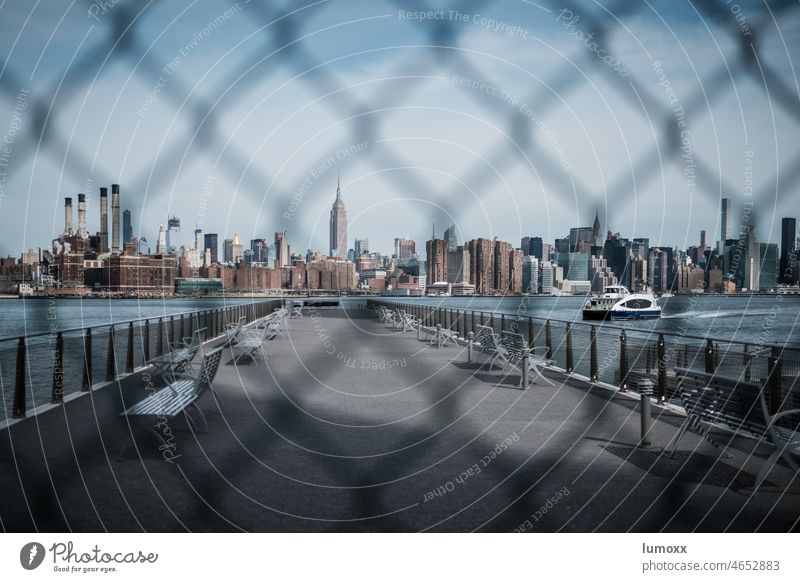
[{"x": 440, "y": 154}]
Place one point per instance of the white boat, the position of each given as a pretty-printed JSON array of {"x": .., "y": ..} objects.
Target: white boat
[{"x": 616, "y": 302}]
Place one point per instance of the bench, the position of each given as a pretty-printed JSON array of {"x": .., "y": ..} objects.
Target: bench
[
  {"x": 739, "y": 406},
  {"x": 234, "y": 330},
  {"x": 511, "y": 350},
  {"x": 175, "y": 399}
]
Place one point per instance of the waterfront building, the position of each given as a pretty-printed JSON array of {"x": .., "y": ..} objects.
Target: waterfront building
[
  {"x": 502, "y": 263},
  {"x": 258, "y": 250},
  {"x": 436, "y": 250},
  {"x": 458, "y": 265},
  {"x": 338, "y": 226},
  {"x": 768, "y": 267},
  {"x": 530, "y": 274},
  {"x": 575, "y": 266},
  {"x": 600, "y": 274},
  {"x": 515, "y": 271},
  {"x": 726, "y": 220},
  {"x": 658, "y": 270},
  {"x": 788, "y": 274},
  {"x": 548, "y": 278},
  {"x": 161, "y": 241},
  {"x": 481, "y": 264},
  {"x": 331, "y": 275}
]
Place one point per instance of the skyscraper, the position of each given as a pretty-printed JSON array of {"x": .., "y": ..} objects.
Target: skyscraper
[
  {"x": 726, "y": 219},
  {"x": 788, "y": 231},
  {"x": 338, "y": 226},
  {"x": 502, "y": 266},
  {"x": 127, "y": 228},
  {"x": 161, "y": 241},
  {"x": 597, "y": 233},
  {"x": 115, "y": 201},
  {"x": 282, "y": 249},
  {"x": 436, "y": 250},
  {"x": 481, "y": 264},
  {"x": 450, "y": 238},
  {"x": 212, "y": 244}
]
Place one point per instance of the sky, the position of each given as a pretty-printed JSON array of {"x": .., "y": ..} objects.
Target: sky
[{"x": 507, "y": 119}]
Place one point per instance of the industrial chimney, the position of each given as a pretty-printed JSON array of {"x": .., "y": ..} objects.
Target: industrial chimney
[
  {"x": 103, "y": 220},
  {"x": 68, "y": 216},
  {"x": 82, "y": 215},
  {"x": 115, "y": 218}
]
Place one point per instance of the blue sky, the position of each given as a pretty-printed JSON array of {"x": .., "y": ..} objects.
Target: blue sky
[{"x": 238, "y": 118}]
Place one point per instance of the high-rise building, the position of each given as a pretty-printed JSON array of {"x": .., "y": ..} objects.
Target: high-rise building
[
  {"x": 361, "y": 247},
  {"x": 458, "y": 265},
  {"x": 450, "y": 238},
  {"x": 103, "y": 220},
  {"x": 282, "y": 257},
  {"x": 768, "y": 266},
  {"x": 338, "y": 226},
  {"x": 703, "y": 241},
  {"x": 127, "y": 228},
  {"x": 436, "y": 250},
  {"x": 404, "y": 249},
  {"x": 258, "y": 250},
  {"x": 575, "y": 265},
  {"x": 788, "y": 275},
  {"x": 481, "y": 264},
  {"x": 515, "y": 271},
  {"x": 161, "y": 241},
  {"x": 548, "y": 277},
  {"x": 597, "y": 232},
  {"x": 726, "y": 220},
  {"x": 211, "y": 243},
  {"x": 502, "y": 266},
  {"x": 530, "y": 274},
  {"x": 115, "y": 204},
  {"x": 658, "y": 270}
]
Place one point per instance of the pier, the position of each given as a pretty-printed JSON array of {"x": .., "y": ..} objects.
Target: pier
[{"x": 354, "y": 425}]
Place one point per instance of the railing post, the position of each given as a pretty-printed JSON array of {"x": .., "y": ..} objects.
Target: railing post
[
  {"x": 20, "y": 406},
  {"x": 623, "y": 361},
  {"x": 645, "y": 392},
  {"x": 146, "y": 342},
  {"x": 748, "y": 362},
  {"x": 548, "y": 337},
  {"x": 129, "y": 358},
  {"x": 172, "y": 331},
  {"x": 87, "y": 361},
  {"x": 662, "y": 369},
  {"x": 111, "y": 361},
  {"x": 438, "y": 335},
  {"x": 58, "y": 371},
  {"x": 502, "y": 322},
  {"x": 709, "y": 356},
  {"x": 775, "y": 371},
  {"x": 531, "y": 335},
  {"x": 470, "y": 342},
  {"x": 160, "y": 343},
  {"x": 569, "y": 361},
  {"x": 594, "y": 368}
]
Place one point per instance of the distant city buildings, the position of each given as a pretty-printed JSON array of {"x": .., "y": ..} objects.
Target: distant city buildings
[{"x": 338, "y": 226}]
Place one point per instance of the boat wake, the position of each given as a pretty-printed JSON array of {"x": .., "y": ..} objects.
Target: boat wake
[{"x": 715, "y": 314}]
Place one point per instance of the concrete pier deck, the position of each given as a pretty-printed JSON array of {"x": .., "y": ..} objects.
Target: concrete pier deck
[{"x": 351, "y": 426}]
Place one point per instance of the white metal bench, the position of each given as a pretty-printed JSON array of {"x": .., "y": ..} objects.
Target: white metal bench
[{"x": 738, "y": 405}]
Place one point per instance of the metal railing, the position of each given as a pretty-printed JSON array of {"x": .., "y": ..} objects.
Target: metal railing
[
  {"x": 618, "y": 354},
  {"x": 45, "y": 367}
]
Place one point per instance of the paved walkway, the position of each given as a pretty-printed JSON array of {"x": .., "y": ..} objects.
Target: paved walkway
[{"x": 351, "y": 426}]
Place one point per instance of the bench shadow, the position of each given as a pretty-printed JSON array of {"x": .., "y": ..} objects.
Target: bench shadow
[{"x": 686, "y": 466}]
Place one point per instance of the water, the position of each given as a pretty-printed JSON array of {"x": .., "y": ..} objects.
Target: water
[
  {"x": 27, "y": 317},
  {"x": 756, "y": 319}
]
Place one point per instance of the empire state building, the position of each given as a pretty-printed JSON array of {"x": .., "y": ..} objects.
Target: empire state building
[{"x": 338, "y": 226}]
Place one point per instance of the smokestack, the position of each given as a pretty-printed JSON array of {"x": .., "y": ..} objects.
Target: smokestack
[
  {"x": 82, "y": 215},
  {"x": 68, "y": 216},
  {"x": 115, "y": 218},
  {"x": 104, "y": 220}
]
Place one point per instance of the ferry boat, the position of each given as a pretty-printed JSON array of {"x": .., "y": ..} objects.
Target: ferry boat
[{"x": 616, "y": 302}]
